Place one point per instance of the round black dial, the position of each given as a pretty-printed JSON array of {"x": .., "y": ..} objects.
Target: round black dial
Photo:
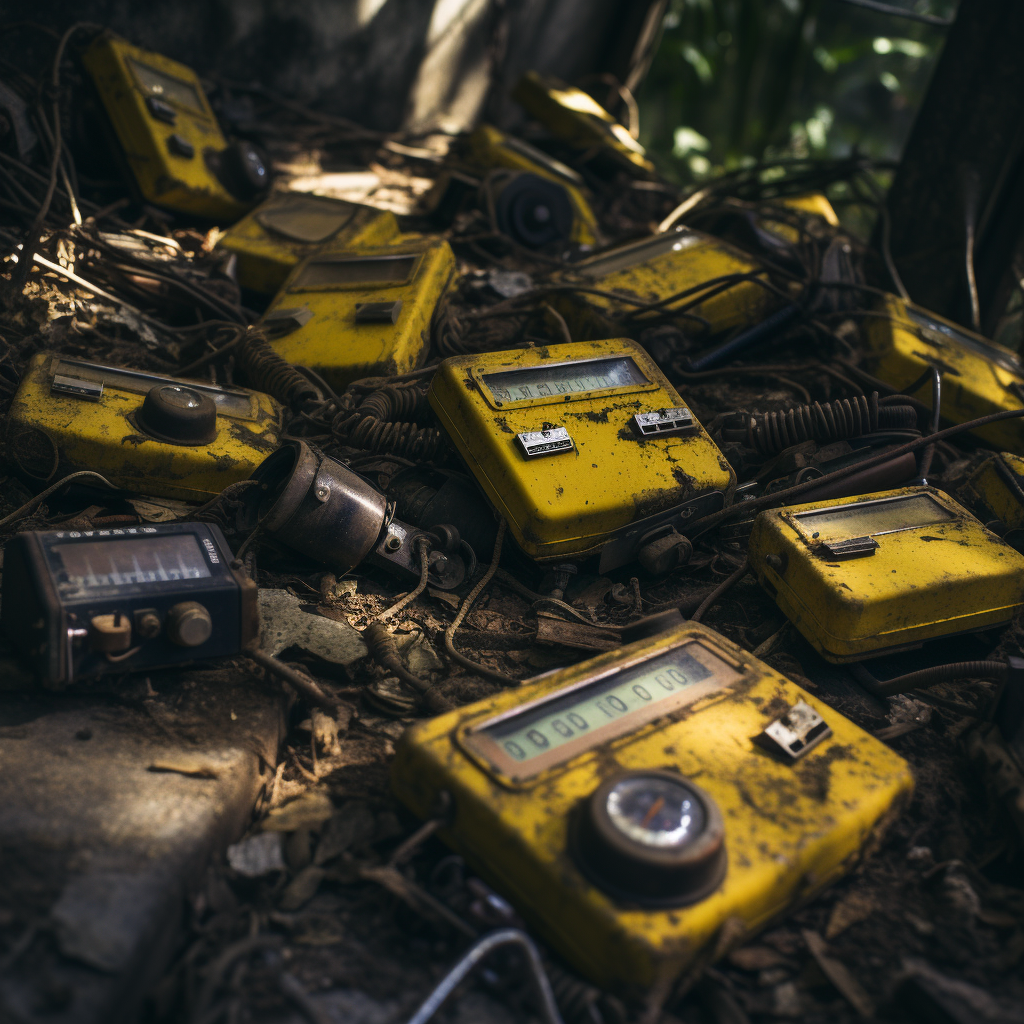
[
  {"x": 651, "y": 838},
  {"x": 178, "y": 414}
]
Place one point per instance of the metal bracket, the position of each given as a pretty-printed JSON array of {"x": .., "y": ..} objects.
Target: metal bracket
[{"x": 855, "y": 547}]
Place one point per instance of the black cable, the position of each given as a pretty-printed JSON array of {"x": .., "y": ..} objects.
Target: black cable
[
  {"x": 783, "y": 497},
  {"x": 900, "y": 12},
  {"x": 925, "y": 677}
]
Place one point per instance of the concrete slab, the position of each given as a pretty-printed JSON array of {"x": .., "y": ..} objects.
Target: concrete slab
[{"x": 111, "y": 804}]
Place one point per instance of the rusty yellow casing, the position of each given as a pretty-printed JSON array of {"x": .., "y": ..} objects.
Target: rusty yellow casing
[
  {"x": 569, "y": 502},
  {"x": 995, "y": 492},
  {"x": 490, "y": 147},
  {"x": 132, "y": 83},
  {"x": 579, "y": 120},
  {"x": 51, "y": 433},
  {"x": 404, "y": 281},
  {"x": 978, "y": 376},
  {"x": 790, "y": 829},
  {"x": 655, "y": 268},
  {"x": 270, "y": 241},
  {"x": 866, "y": 576}
]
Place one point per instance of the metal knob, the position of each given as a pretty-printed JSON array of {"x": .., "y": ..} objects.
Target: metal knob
[{"x": 189, "y": 624}]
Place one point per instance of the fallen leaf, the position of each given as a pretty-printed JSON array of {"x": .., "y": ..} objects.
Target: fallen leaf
[
  {"x": 756, "y": 958},
  {"x": 285, "y": 622},
  {"x": 850, "y": 910},
  {"x": 302, "y": 888},
  {"x": 837, "y": 973},
  {"x": 309, "y": 811}
]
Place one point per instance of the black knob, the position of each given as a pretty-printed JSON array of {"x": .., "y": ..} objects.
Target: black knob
[
  {"x": 189, "y": 624},
  {"x": 652, "y": 838},
  {"x": 178, "y": 414},
  {"x": 534, "y": 211}
]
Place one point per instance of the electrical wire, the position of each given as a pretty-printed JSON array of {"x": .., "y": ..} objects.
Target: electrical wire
[
  {"x": 925, "y": 677},
  {"x": 719, "y": 592},
  {"x": 467, "y": 604},
  {"x": 34, "y": 503},
  {"x": 784, "y": 497},
  {"x": 472, "y": 958}
]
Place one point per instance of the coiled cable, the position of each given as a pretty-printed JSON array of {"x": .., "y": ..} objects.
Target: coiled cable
[
  {"x": 771, "y": 432},
  {"x": 271, "y": 373},
  {"x": 380, "y": 423}
]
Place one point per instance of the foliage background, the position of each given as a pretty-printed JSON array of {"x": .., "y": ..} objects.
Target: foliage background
[{"x": 735, "y": 82}]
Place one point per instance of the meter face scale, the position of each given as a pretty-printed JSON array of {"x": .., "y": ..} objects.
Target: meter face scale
[
  {"x": 69, "y": 580},
  {"x": 978, "y": 376},
  {"x": 995, "y": 490},
  {"x": 593, "y": 474},
  {"x": 132, "y": 83},
  {"x": 409, "y": 278},
  {"x": 492, "y": 148},
  {"x": 578, "y": 119},
  {"x": 48, "y": 428},
  {"x": 275, "y": 237},
  {"x": 656, "y": 268},
  {"x": 867, "y": 576},
  {"x": 784, "y": 824}
]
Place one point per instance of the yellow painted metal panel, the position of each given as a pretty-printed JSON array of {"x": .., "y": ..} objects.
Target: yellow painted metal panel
[{"x": 568, "y": 503}]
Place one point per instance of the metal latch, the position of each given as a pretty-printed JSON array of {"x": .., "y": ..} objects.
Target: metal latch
[
  {"x": 180, "y": 146},
  {"x": 280, "y": 322},
  {"x": 91, "y": 389},
  {"x": 552, "y": 441},
  {"x": 855, "y": 547},
  {"x": 378, "y": 312},
  {"x": 664, "y": 423},
  {"x": 160, "y": 110},
  {"x": 796, "y": 732}
]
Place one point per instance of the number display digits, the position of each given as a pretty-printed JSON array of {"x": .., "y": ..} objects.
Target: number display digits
[
  {"x": 573, "y": 378},
  {"x": 551, "y": 732}
]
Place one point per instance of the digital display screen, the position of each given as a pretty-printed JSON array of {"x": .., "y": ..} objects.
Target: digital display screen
[
  {"x": 625, "y": 698},
  {"x": 167, "y": 87},
  {"x": 870, "y": 518},
  {"x": 90, "y": 565},
  {"x": 308, "y": 219},
  {"x": 368, "y": 270},
  {"x": 631, "y": 255},
  {"x": 564, "y": 379}
]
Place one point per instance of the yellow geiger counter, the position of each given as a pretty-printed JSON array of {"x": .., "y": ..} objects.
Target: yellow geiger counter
[
  {"x": 978, "y": 376},
  {"x": 994, "y": 492},
  {"x": 362, "y": 313},
  {"x": 285, "y": 229},
  {"x": 573, "y": 443},
  {"x": 145, "y": 432},
  {"x": 630, "y": 806},
  {"x": 653, "y": 270},
  {"x": 866, "y": 576},
  {"x": 169, "y": 135}
]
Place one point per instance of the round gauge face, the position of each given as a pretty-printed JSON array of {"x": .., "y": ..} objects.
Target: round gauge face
[
  {"x": 656, "y": 812},
  {"x": 181, "y": 398}
]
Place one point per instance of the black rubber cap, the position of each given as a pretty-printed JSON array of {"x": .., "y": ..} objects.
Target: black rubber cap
[
  {"x": 534, "y": 211},
  {"x": 178, "y": 414},
  {"x": 633, "y": 873}
]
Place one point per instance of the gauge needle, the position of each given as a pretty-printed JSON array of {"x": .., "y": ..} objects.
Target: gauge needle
[{"x": 655, "y": 807}]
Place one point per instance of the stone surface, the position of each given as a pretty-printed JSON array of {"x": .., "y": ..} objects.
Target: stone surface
[{"x": 112, "y": 801}]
